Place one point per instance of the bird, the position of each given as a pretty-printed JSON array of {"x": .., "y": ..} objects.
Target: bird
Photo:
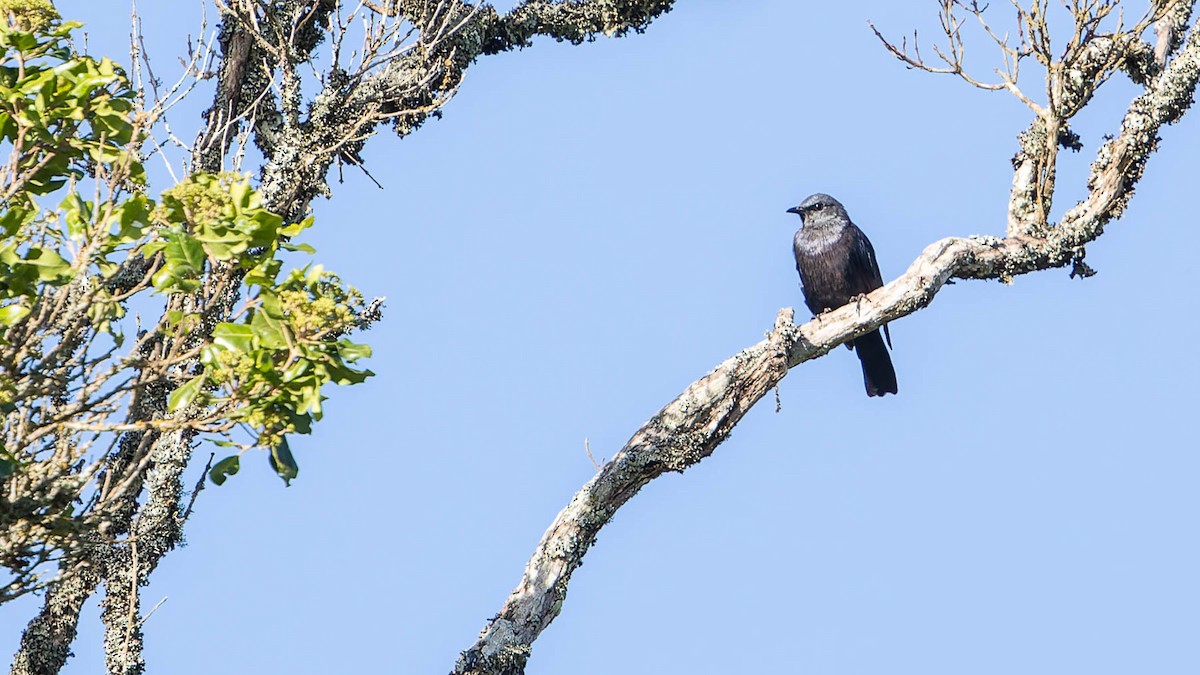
[{"x": 837, "y": 263}]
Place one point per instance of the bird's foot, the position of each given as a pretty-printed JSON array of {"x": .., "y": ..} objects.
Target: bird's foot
[{"x": 858, "y": 300}]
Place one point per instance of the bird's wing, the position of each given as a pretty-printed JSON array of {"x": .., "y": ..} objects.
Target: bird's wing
[
  {"x": 863, "y": 265},
  {"x": 865, "y": 274}
]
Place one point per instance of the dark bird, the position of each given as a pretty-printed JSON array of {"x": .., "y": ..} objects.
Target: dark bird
[{"x": 837, "y": 263}]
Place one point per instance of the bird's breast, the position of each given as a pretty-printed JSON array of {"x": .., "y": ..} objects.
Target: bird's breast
[
  {"x": 812, "y": 241},
  {"x": 823, "y": 260}
]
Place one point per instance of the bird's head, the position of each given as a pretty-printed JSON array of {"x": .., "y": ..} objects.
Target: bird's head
[{"x": 819, "y": 207}]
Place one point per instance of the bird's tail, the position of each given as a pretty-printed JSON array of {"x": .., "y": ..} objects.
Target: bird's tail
[{"x": 878, "y": 373}]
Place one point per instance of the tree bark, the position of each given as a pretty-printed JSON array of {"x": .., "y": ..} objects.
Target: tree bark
[{"x": 46, "y": 642}]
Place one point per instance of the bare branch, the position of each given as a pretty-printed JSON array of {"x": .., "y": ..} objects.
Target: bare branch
[{"x": 955, "y": 51}]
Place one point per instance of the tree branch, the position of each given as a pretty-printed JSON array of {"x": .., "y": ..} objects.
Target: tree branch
[
  {"x": 157, "y": 530},
  {"x": 691, "y": 427},
  {"x": 46, "y": 642},
  {"x": 416, "y": 84},
  {"x": 574, "y": 22}
]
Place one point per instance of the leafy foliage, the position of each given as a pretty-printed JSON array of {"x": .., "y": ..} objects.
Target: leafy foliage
[
  {"x": 242, "y": 350},
  {"x": 266, "y": 371},
  {"x": 60, "y": 116}
]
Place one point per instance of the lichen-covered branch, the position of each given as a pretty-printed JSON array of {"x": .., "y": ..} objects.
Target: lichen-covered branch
[
  {"x": 46, "y": 643},
  {"x": 573, "y": 22},
  {"x": 406, "y": 83},
  {"x": 689, "y": 428}
]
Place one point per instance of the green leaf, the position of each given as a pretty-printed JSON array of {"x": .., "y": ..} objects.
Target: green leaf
[
  {"x": 352, "y": 351},
  {"x": 312, "y": 402},
  {"x": 137, "y": 173},
  {"x": 313, "y": 277},
  {"x": 302, "y": 423},
  {"x": 264, "y": 273},
  {"x": 269, "y": 304},
  {"x": 10, "y": 314},
  {"x": 210, "y": 235},
  {"x": 221, "y": 251},
  {"x": 283, "y": 462},
  {"x": 132, "y": 215},
  {"x": 304, "y": 248},
  {"x": 43, "y": 186},
  {"x": 296, "y": 228},
  {"x": 234, "y": 336},
  {"x": 14, "y": 219},
  {"x": 183, "y": 259},
  {"x": 240, "y": 192},
  {"x": 166, "y": 281},
  {"x": 151, "y": 247},
  {"x": 185, "y": 394},
  {"x": 269, "y": 330},
  {"x": 225, "y": 468},
  {"x": 297, "y": 369},
  {"x": 51, "y": 266},
  {"x": 185, "y": 253},
  {"x": 107, "y": 267},
  {"x": 78, "y": 215}
]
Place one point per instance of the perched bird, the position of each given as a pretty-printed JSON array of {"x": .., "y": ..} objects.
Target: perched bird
[{"x": 837, "y": 263}]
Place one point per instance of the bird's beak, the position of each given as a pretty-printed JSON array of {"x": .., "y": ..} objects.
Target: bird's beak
[{"x": 796, "y": 209}]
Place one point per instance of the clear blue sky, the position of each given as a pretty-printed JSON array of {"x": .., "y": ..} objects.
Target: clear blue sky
[{"x": 588, "y": 230}]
